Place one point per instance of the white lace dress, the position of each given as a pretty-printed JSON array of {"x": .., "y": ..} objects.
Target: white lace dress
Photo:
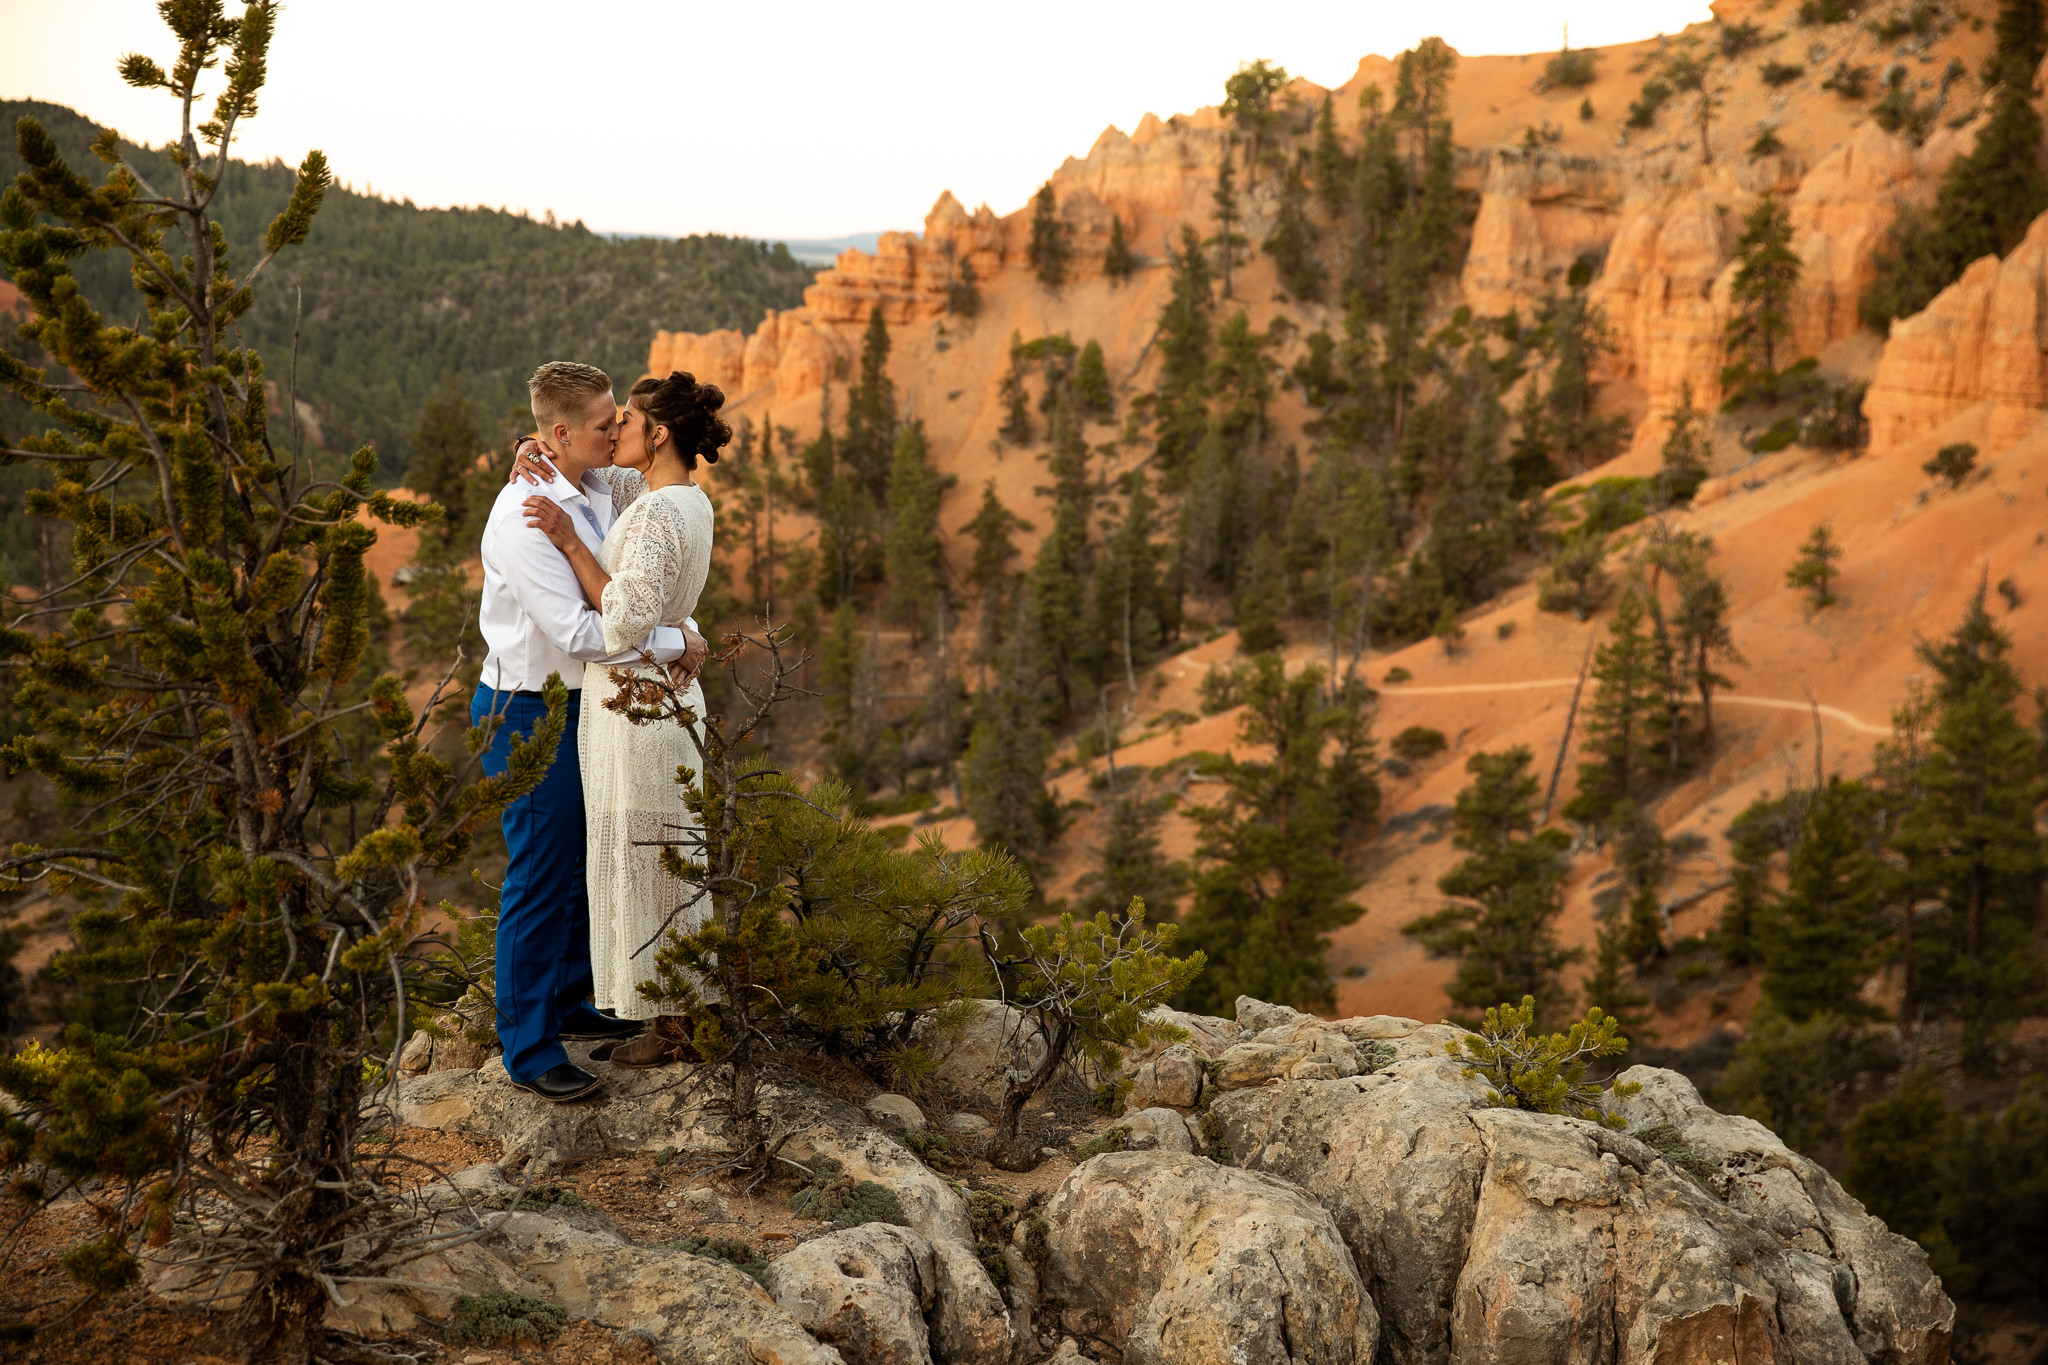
[{"x": 658, "y": 553}]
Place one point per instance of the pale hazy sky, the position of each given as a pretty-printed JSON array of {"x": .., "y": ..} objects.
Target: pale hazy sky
[{"x": 793, "y": 120}]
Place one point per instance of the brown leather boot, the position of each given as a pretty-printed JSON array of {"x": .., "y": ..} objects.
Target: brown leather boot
[{"x": 668, "y": 1041}]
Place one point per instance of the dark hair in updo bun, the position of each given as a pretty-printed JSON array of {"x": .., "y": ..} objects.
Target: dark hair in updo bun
[{"x": 690, "y": 412}]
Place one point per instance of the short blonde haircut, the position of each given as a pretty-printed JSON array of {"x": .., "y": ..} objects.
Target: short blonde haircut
[{"x": 561, "y": 389}]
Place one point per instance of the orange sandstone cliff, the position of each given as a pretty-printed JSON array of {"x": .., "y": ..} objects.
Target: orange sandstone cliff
[{"x": 1656, "y": 215}]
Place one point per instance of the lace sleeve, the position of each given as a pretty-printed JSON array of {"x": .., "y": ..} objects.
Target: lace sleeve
[
  {"x": 627, "y": 486},
  {"x": 650, "y": 563}
]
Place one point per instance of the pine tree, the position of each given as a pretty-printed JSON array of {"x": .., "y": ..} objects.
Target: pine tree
[
  {"x": 871, "y": 421},
  {"x": 1699, "y": 625},
  {"x": 1619, "y": 736},
  {"x": 1293, "y": 241},
  {"x": 247, "y": 798},
  {"x": 1363, "y": 542},
  {"x": 1058, "y": 581},
  {"x": 1187, "y": 339},
  {"x": 1611, "y": 986},
  {"x": 1273, "y": 882},
  {"x": 1260, "y": 598},
  {"x": 1227, "y": 240},
  {"x": 1510, "y": 889},
  {"x": 839, "y": 662},
  {"x": 1131, "y": 866},
  {"x": 1118, "y": 260},
  {"x": 1091, "y": 382},
  {"x": 1760, "y": 328},
  {"x": 963, "y": 295},
  {"x": 1530, "y": 468},
  {"x": 1002, "y": 774},
  {"x": 1422, "y": 83},
  {"x": 1987, "y": 197},
  {"x": 993, "y": 548},
  {"x": 445, "y": 446},
  {"x": 1049, "y": 249},
  {"x": 1016, "y": 427},
  {"x": 1814, "y": 570},
  {"x": 1818, "y": 941},
  {"x": 1686, "y": 448},
  {"x": 1575, "y": 338},
  {"x": 913, "y": 568},
  {"x": 1248, "y": 101},
  {"x": 1754, "y": 839},
  {"x": 1130, "y": 604},
  {"x": 1328, "y": 163},
  {"x": 1970, "y": 839}
]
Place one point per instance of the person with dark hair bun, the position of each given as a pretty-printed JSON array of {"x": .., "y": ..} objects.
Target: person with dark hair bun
[
  {"x": 688, "y": 409},
  {"x": 649, "y": 571}
]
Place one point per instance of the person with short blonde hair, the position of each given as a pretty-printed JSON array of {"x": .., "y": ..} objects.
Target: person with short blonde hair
[
  {"x": 562, "y": 389},
  {"x": 537, "y": 626}
]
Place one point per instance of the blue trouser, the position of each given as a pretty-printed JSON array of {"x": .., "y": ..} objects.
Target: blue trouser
[{"x": 544, "y": 910}]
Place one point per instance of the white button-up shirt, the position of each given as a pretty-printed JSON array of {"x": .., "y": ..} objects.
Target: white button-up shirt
[{"x": 534, "y": 618}]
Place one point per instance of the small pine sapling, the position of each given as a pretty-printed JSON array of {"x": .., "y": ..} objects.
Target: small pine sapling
[
  {"x": 1545, "y": 1074},
  {"x": 1086, "y": 985},
  {"x": 1952, "y": 464},
  {"x": 1814, "y": 570}
]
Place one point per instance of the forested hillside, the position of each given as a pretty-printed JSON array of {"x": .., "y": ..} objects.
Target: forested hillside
[{"x": 398, "y": 300}]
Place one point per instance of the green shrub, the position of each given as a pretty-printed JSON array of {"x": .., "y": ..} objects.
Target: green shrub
[
  {"x": 1664, "y": 1139},
  {"x": 1837, "y": 422},
  {"x": 1776, "y": 436},
  {"x": 932, "y": 1147},
  {"x": 1544, "y": 1074},
  {"x": 1896, "y": 111},
  {"x": 1570, "y": 70},
  {"x": 1784, "y": 1073},
  {"x": 730, "y": 1250},
  {"x": 1110, "y": 1141},
  {"x": 1218, "y": 689},
  {"x": 1612, "y": 503},
  {"x": 1952, "y": 464},
  {"x": 1396, "y": 675},
  {"x": 1737, "y": 39},
  {"x": 1418, "y": 742},
  {"x": 500, "y": 1318},
  {"x": 1643, "y": 112},
  {"x": 1767, "y": 143},
  {"x": 1828, "y": 11},
  {"x": 1849, "y": 81},
  {"x": 1576, "y": 579},
  {"x": 548, "y": 1195},
  {"x": 1780, "y": 73},
  {"x": 831, "y": 1197}
]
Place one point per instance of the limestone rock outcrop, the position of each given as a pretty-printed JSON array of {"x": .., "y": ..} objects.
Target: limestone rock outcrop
[
  {"x": 1333, "y": 1219},
  {"x": 973, "y": 1058},
  {"x": 1984, "y": 339},
  {"x": 1493, "y": 1234},
  {"x": 1191, "y": 1263},
  {"x": 646, "y": 1110},
  {"x": 695, "y": 1311},
  {"x": 864, "y": 1291}
]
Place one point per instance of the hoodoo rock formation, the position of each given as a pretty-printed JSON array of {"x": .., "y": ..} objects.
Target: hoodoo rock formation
[{"x": 1984, "y": 339}]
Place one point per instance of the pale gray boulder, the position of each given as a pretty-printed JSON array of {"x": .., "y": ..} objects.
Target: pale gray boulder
[
  {"x": 1190, "y": 1263},
  {"x": 1497, "y": 1235},
  {"x": 863, "y": 1291}
]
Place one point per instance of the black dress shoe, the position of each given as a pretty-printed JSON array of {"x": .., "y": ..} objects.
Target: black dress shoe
[
  {"x": 561, "y": 1084},
  {"x": 597, "y": 1024}
]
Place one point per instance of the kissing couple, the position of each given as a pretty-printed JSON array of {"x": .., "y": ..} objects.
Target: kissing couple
[{"x": 594, "y": 556}]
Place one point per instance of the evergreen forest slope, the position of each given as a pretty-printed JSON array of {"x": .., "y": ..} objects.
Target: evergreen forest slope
[{"x": 391, "y": 302}]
